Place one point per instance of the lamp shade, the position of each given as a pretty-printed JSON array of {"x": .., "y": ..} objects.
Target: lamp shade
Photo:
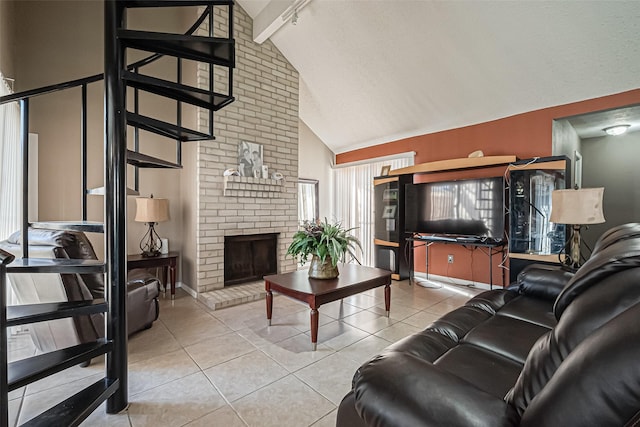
[
  {"x": 578, "y": 207},
  {"x": 150, "y": 209}
]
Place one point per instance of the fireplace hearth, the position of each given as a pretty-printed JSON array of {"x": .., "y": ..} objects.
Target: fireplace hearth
[{"x": 249, "y": 257}]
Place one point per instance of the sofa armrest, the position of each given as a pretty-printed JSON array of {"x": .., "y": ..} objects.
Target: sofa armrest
[
  {"x": 398, "y": 389},
  {"x": 142, "y": 300},
  {"x": 542, "y": 281},
  {"x": 139, "y": 277}
]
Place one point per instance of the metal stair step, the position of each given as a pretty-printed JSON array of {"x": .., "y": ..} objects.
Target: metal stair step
[
  {"x": 32, "y": 313},
  {"x": 171, "y": 3},
  {"x": 85, "y": 226},
  {"x": 72, "y": 411},
  {"x": 212, "y": 50},
  {"x": 25, "y": 371},
  {"x": 143, "y": 161},
  {"x": 165, "y": 129},
  {"x": 179, "y": 92},
  {"x": 99, "y": 191},
  {"x": 56, "y": 265}
]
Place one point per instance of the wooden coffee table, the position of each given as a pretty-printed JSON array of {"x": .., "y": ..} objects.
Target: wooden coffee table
[{"x": 352, "y": 280}]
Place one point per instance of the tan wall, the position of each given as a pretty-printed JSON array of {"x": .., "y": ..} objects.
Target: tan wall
[
  {"x": 63, "y": 40},
  {"x": 7, "y": 39},
  {"x": 314, "y": 162}
]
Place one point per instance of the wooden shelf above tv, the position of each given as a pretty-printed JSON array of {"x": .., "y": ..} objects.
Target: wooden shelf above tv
[{"x": 455, "y": 164}]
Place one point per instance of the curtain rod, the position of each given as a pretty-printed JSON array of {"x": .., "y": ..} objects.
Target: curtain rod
[{"x": 376, "y": 159}]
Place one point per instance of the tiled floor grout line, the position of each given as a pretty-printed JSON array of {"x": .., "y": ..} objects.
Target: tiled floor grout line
[
  {"x": 243, "y": 327},
  {"x": 223, "y": 398}
]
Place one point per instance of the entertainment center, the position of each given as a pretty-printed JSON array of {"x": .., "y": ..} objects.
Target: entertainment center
[{"x": 471, "y": 212}]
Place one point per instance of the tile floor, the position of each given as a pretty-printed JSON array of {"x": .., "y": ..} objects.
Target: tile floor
[{"x": 196, "y": 367}]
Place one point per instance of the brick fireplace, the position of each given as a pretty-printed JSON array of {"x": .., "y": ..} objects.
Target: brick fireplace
[{"x": 265, "y": 112}]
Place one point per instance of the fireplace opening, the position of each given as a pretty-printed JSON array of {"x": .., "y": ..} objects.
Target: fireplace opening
[{"x": 249, "y": 257}]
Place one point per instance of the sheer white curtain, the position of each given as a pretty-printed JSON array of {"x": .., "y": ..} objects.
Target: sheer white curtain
[
  {"x": 353, "y": 200},
  {"x": 10, "y": 172}
]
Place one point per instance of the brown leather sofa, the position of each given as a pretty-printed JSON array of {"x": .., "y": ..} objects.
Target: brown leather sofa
[
  {"x": 555, "y": 349},
  {"x": 142, "y": 290}
]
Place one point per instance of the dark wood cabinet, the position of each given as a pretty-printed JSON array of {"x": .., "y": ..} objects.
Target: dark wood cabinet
[{"x": 390, "y": 240}]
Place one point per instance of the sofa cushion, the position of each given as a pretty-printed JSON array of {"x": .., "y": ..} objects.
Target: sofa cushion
[
  {"x": 533, "y": 310},
  {"x": 401, "y": 390},
  {"x": 457, "y": 323},
  {"x": 541, "y": 281},
  {"x": 488, "y": 371},
  {"x": 507, "y": 336}
]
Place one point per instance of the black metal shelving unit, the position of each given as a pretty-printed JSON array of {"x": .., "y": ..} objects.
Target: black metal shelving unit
[{"x": 118, "y": 77}]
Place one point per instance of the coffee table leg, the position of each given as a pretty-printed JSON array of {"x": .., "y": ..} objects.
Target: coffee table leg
[
  {"x": 387, "y": 298},
  {"x": 314, "y": 329},
  {"x": 269, "y": 306}
]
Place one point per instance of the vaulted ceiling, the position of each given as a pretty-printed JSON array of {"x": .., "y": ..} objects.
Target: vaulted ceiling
[{"x": 373, "y": 71}]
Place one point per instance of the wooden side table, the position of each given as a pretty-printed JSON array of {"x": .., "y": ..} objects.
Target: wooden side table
[{"x": 168, "y": 263}]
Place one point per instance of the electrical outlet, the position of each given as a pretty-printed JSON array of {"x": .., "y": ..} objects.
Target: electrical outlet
[{"x": 450, "y": 259}]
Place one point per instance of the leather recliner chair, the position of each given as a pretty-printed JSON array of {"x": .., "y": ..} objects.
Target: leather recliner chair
[{"x": 33, "y": 288}]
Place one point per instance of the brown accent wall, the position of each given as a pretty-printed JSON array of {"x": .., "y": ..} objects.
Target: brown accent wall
[{"x": 524, "y": 135}]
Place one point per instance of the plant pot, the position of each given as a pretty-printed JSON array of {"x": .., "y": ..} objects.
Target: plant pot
[{"x": 322, "y": 270}]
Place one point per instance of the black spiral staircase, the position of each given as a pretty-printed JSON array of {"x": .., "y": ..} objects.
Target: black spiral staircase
[{"x": 219, "y": 54}]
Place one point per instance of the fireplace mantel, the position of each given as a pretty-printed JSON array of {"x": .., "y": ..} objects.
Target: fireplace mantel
[{"x": 241, "y": 186}]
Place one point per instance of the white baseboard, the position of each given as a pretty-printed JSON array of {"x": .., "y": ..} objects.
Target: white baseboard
[
  {"x": 455, "y": 281},
  {"x": 187, "y": 289}
]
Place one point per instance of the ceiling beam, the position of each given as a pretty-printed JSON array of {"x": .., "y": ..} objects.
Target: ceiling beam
[{"x": 274, "y": 16}]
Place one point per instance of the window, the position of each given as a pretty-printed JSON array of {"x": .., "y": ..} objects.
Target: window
[
  {"x": 353, "y": 199},
  {"x": 308, "y": 209},
  {"x": 10, "y": 163}
]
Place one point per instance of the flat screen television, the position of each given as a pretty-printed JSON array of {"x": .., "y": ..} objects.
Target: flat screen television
[{"x": 465, "y": 208}]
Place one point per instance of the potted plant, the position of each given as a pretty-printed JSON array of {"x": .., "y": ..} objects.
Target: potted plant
[{"x": 327, "y": 244}]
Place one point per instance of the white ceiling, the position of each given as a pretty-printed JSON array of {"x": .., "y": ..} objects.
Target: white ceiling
[
  {"x": 379, "y": 70},
  {"x": 592, "y": 125}
]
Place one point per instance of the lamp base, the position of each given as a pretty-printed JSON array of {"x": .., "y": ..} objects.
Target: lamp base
[
  {"x": 151, "y": 254},
  {"x": 151, "y": 243},
  {"x": 573, "y": 259}
]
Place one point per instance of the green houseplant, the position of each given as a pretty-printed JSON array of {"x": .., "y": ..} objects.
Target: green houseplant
[{"x": 327, "y": 243}]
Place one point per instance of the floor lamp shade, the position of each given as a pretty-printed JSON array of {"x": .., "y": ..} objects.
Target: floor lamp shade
[{"x": 577, "y": 208}]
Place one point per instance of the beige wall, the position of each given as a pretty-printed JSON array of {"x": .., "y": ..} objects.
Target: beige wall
[
  {"x": 7, "y": 40},
  {"x": 63, "y": 40},
  {"x": 566, "y": 142},
  {"x": 611, "y": 162},
  {"x": 315, "y": 161}
]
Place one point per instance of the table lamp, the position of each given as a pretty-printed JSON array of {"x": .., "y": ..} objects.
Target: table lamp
[
  {"x": 577, "y": 208},
  {"x": 151, "y": 211}
]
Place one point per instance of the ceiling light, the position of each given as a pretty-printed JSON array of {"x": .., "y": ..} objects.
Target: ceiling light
[{"x": 616, "y": 130}]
